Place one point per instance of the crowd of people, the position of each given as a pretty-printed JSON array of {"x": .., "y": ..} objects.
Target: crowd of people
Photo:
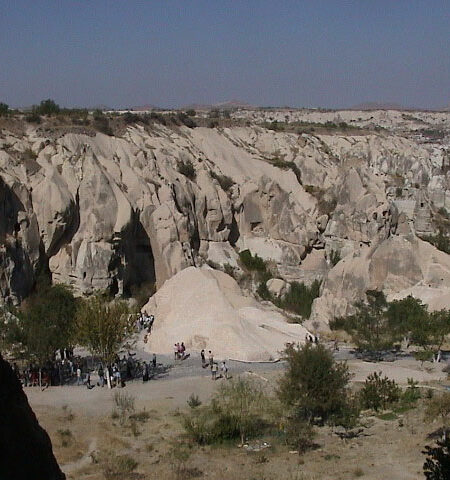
[
  {"x": 145, "y": 322},
  {"x": 179, "y": 351},
  {"x": 213, "y": 365}
]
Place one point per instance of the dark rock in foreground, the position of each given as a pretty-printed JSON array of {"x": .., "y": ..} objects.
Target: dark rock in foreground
[{"x": 25, "y": 447}]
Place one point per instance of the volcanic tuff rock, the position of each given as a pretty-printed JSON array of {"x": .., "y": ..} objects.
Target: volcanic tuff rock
[
  {"x": 105, "y": 212},
  {"x": 206, "y": 309},
  {"x": 25, "y": 448}
]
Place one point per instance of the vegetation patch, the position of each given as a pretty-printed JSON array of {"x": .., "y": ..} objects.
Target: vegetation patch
[
  {"x": 225, "y": 182},
  {"x": 187, "y": 169}
]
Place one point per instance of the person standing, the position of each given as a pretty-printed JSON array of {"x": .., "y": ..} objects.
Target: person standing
[
  {"x": 202, "y": 354},
  {"x": 214, "y": 368},
  {"x": 79, "y": 378},
  {"x": 145, "y": 373},
  {"x": 210, "y": 358},
  {"x": 224, "y": 369},
  {"x": 154, "y": 360},
  {"x": 101, "y": 376}
]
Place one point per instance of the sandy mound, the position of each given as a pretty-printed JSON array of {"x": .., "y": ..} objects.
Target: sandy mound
[{"x": 205, "y": 308}]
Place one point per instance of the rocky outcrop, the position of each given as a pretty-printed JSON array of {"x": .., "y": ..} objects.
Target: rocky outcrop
[
  {"x": 25, "y": 448},
  {"x": 205, "y": 309},
  {"x": 104, "y": 212}
]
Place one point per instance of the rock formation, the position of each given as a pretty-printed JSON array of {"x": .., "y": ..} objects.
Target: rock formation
[
  {"x": 205, "y": 309},
  {"x": 25, "y": 448},
  {"x": 116, "y": 212}
]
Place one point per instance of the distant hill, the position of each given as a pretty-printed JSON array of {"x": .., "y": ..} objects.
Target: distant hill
[
  {"x": 143, "y": 108},
  {"x": 233, "y": 104},
  {"x": 229, "y": 105},
  {"x": 379, "y": 106}
]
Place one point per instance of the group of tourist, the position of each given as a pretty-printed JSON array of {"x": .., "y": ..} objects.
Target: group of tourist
[
  {"x": 145, "y": 322},
  {"x": 179, "y": 351},
  {"x": 214, "y": 366},
  {"x": 312, "y": 339}
]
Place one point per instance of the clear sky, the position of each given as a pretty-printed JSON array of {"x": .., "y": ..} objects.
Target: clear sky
[{"x": 328, "y": 53}]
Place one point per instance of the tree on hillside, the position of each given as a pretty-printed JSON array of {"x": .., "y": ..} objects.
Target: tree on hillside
[
  {"x": 243, "y": 402},
  {"x": 4, "y": 109},
  {"x": 314, "y": 385},
  {"x": 102, "y": 326},
  {"x": 368, "y": 326},
  {"x": 438, "y": 328},
  {"x": 410, "y": 318},
  {"x": 406, "y": 318},
  {"x": 46, "y": 107},
  {"x": 43, "y": 325}
]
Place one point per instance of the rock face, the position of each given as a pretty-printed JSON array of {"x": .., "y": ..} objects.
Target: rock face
[
  {"x": 205, "y": 309},
  {"x": 25, "y": 447},
  {"x": 105, "y": 212}
]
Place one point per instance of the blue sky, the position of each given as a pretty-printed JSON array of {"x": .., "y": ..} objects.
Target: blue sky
[{"x": 328, "y": 53}]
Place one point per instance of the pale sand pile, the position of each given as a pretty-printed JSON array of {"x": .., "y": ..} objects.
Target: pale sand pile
[{"x": 204, "y": 308}]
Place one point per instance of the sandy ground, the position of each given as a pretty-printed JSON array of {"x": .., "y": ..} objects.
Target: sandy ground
[{"x": 387, "y": 449}]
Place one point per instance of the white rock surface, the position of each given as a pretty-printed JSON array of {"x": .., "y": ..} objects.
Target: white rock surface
[{"x": 205, "y": 309}]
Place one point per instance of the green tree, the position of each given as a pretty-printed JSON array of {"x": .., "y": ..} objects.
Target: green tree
[
  {"x": 44, "y": 324},
  {"x": 4, "y": 109},
  {"x": 368, "y": 327},
  {"x": 438, "y": 328},
  {"x": 314, "y": 385},
  {"x": 407, "y": 318},
  {"x": 102, "y": 326},
  {"x": 47, "y": 107},
  {"x": 243, "y": 402},
  {"x": 437, "y": 465}
]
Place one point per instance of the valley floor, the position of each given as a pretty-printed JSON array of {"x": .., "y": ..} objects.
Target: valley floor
[{"x": 389, "y": 447}]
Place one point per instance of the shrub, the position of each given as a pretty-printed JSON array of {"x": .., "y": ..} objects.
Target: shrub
[
  {"x": 335, "y": 257},
  {"x": 225, "y": 182},
  {"x": 440, "y": 241},
  {"x": 129, "y": 118},
  {"x": 193, "y": 401},
  {"x": 264, "y": 292},
  {"x": 229, "y": 270},
  {"x": 412, "y": 392},
  {"x": 358, "y": 472},
  {"x": 242, "y": 401},
  {"x": 437, "y": 465},
  {"x": 65, "y": 436},
  {"x": 299, "y": 298},
  {"x": 47, "y": 107},
  {"x": 252, "y": 262},
  {"x": 33, "y": 118},
  {"x": 179, "y": 455},
  {"x": 187, "y": 169},
  {"x": 125, "y": 405},
  {"x": 141, "y": 416},
  {"x": 314, "y": 385},
  {"x": 117, "y": 467},
  {"x": 299, "y": 433},
  {"x": 438, "y": 407},
  {"x": 28, "y": 154},
  {"x": 236, "y": 411},
  {"x": 379, "y": 392},
  {"x": 4, "y": 109},
  {"x": 101, "y": 123}
]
